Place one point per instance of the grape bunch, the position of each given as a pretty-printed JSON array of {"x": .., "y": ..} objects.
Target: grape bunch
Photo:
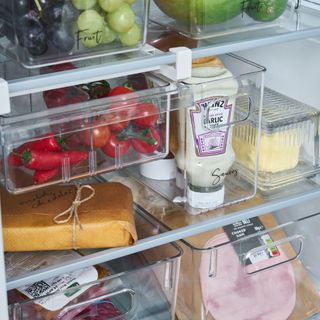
[
  {"x": 60, "y": 26},
  {"x": 44, "y": 24},
  {"x": 104, "y": 21}
]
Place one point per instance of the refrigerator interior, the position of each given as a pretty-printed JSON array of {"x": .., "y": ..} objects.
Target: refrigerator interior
[{"x": 293, "y": 70}]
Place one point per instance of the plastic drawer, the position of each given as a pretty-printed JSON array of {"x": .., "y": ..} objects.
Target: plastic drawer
[
  {"x": 137, "y": 120},
  {"x": 208, "y": 175},
  {"x": 288, "y": 144},
  {"x": 214, "y": 19},
  {"x": 265, "y": 272},
  {"x": 139, "y": 286},
  {"x": 37, "y": 33}
]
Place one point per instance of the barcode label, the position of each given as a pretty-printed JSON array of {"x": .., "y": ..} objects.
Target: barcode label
[
  {"x": 42, "y": 290},
  {"x": 37, "y": 289}
]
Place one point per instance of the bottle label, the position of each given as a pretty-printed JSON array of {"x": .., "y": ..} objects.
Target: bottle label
[{"x": 210, "y": 125}]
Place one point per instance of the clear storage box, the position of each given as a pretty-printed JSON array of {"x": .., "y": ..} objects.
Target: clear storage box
[
  {"x": 288, "y": 143},
  {"x": 253, "y": 269},
  {"x": 141, "y": 286},
  {"x": 201, "y": 19},
  {"x": 201, "y": 138},
  {"x": 65, "y": 134},
  {"x": 38, "y": 33}
]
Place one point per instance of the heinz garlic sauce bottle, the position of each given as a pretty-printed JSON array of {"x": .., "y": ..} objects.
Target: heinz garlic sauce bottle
[{"x": 205, "y": 151}]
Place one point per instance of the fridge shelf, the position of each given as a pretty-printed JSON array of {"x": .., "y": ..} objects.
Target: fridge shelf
[
  {"x": 305, "y": 25},
  {"x": 167, "y": 214}
]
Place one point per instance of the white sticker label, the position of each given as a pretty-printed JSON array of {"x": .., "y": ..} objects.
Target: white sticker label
[{"x": 55, "y": 302}]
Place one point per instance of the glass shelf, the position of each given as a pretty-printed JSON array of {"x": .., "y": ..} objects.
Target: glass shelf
[
  {"x": 174, "y": 221},
  {"x": 305, "y": 24}
]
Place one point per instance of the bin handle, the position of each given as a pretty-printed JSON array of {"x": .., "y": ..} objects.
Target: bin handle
[
  {"x": 247, "y": 255},
  {"x": 246, "y": 116},
  {"x": 105, "y": 296}
]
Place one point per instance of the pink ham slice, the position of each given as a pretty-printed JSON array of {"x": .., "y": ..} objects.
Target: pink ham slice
[{"x": 234, "y": 295}]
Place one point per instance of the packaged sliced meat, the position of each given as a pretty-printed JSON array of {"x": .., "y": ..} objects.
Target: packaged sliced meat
[
  {"x": 98, "y": 310},
  {"x": 242, "y": 292}
]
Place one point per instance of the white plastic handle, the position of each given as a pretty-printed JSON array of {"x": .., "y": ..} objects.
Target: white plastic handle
[{"x": 4, "y": 94}]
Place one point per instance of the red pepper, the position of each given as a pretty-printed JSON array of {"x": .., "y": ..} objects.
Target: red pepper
[
  {"x": 48, "y": 142},
  {"x": 64, "y": 96},
  {"x": 14, "y": 160},
  {"x": 41, "y": 176},
  {"x": 47, "y": 160}
]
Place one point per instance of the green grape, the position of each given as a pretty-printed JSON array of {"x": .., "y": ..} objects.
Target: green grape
[
  {"x": 131, "y": 37},
  {"x": 84, "y": 4},
  {"x": 130, "y": 1},
  {"x": 90, "y": 21},
  {"x": 122, "y": 19},
  {"x": 108, "y": 35},
  {"x": 110, "y": 5}
]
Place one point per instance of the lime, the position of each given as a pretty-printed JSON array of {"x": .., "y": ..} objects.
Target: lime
[{"x": 266, "y": 10}]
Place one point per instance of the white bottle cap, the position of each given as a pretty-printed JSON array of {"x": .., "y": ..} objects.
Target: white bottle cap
[{"x": 205, "y": 200}]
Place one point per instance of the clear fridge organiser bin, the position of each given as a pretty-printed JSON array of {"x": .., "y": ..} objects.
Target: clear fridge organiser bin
[
  {"x": 140, "y": 286},
  {"x": 37, "y": 33},
  {"x": 212, "y": 18},
  {"x": 207, "y": 174},
  {"x": 289, "y": 144},
  {"x": 253, "y": 269},
  {"x": 86, "y": 137}
]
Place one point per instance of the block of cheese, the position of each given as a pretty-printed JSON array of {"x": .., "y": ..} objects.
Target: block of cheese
[
  {"x": 105, "y": 220},
  {"x": 277, "y": 152}
]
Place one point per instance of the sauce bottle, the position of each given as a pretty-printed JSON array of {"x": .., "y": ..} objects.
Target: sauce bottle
[{"x": 205, "y": 152}]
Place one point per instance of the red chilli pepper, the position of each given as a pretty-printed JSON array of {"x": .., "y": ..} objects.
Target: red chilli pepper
[
  {"x": 47, "y": 160},
  {"x": 49, "y": 142},
  {"x": 14, "y": 160},
  {"x": 41, "y": 176}
]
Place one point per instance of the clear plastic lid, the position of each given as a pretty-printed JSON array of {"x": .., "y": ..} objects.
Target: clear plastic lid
[{"x": 291, "y": 120}]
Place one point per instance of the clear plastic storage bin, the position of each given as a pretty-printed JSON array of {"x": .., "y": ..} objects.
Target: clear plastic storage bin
[
  {"x": 289, "y": 150},
  {"x": 65, "y": 134},
  {"x": 201, "y": 19},
  {"x": 253, "y": 269},
  {"x": 140, "y": 286},
  {"x": 38, "y": 33},
  {"x": 201, "y": 138}
]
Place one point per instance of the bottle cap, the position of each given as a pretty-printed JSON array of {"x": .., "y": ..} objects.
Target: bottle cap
[{"x": 205, "y": 200}]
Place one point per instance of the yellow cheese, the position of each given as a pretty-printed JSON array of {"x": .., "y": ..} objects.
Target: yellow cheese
[{"x": 278, "y": 151}]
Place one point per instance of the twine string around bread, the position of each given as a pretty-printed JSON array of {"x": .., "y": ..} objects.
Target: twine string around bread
[{"x": 72, "y": 211}]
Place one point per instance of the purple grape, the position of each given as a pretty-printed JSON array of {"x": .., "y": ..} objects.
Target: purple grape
[
  {"x": 31, "y": 33},
  {"x": 61, "y": 37}
]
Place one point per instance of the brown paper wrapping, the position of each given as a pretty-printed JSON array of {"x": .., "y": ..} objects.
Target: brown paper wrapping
[{"x": 107, "y": 219}]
